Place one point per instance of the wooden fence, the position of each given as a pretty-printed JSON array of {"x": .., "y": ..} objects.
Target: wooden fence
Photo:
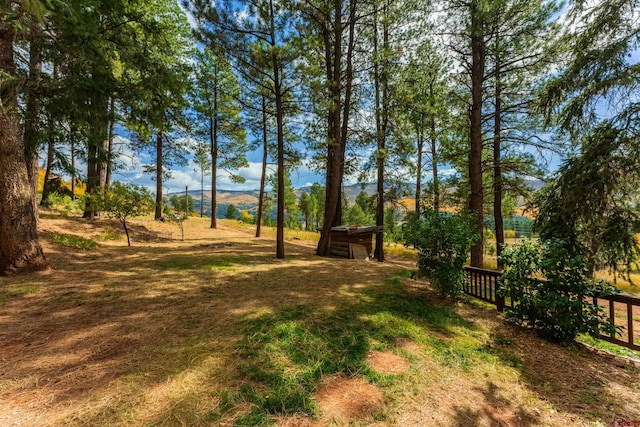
[
  {"x": 622, "y": 310},
  {"x": 150, "y": 236}
]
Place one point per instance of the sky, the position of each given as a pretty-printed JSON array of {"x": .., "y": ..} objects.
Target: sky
[{"x": 131, "y": 170}]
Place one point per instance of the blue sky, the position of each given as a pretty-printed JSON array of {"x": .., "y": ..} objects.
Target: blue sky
[{"x": 131, "y": 170}]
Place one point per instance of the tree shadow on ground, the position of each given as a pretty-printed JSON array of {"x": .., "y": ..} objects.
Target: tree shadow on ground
[
  {"x": 145, "y": 316},
  {"x": 493, "y": 409},
  {"x": 572, "y": 379},
  {"x": 156, "y": 325},
  {"x": 115, "y": 315},
  {"x": 285, "y": 354}
]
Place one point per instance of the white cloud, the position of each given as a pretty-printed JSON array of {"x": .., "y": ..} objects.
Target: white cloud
[
  {"x": 127, "y": 159},
  {"x": 181, "y": 179},
  {"x": 447, "y": 172}
]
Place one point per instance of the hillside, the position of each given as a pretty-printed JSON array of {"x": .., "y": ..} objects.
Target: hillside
[{"x": 248, "y": 199}]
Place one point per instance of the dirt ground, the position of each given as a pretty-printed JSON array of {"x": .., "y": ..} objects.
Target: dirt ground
[{"x": 147, "y": 335}]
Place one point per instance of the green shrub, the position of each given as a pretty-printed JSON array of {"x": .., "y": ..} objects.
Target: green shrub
[
  {"x": 63, "y": 201},
  {"x": 110, "y": 233},
  {"x": 74, "y": 241},
  {"x": 443, "y": 242},
  {"x": 122, "y": 201},
  {"x": 558, "y": 307}
]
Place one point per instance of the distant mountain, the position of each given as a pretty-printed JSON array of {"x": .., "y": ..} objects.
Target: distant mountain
[
  {"x": 242, "y": 200},
  {"x": 353, "y": 190},
  {"x": 248, "y": 199},
  {"x": 536, "y": 184}
]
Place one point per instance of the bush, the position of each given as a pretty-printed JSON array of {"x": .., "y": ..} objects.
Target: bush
[
  {"x": 557, "y": 307},
  {"x": 109, "y": 233},
  {"x": 63, "y": 201},
  {"x": 443, "y": 242},
  {"x": 74, "y": 241},
  {"x": 122, "y": 201},
  {"x": 246, "y": 217},
  {"x": 488, "y": 234}
]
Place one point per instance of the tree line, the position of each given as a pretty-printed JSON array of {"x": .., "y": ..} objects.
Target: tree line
[{"x": 390, "y": 91}]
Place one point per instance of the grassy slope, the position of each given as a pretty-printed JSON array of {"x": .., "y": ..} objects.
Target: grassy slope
[{"x": 215, "y": 331}]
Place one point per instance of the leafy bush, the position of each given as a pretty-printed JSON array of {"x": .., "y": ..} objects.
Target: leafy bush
[
  {"x": 64, "y": 202},
  {"x": 557, "y": 307},
  {"x": 246, "y": 217},
  {"x": 122, "y": 201},
  {"x": 443, "y": 242},
  {"x": 74, "y": 241},
  {"x": 488, "y": 234},
  {"x": 110, "y": 233}
]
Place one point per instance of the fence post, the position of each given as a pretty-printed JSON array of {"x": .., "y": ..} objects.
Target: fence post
[{"x": 499, "y": 298}]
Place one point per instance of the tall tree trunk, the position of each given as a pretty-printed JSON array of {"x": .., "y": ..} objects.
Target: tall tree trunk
[
  {"x": 99, "y": 118},
  {"x": 32, "y": 108},
  {"x": 497, "y": 172},
  {"x": 475, "y": 130},
  {"x": 263, "y": 174},
  {"x": 333, "y": 64},
  {"x": 102, "y": 165},
  {"x": 381, "y": 80},
  {"x": 51, "y": 140},
  {"x": 337, "y": 117},
  {"x": 159, "y": 167},
  {"x": 434, "y": 166},
  {"x": 420, "y": 144},
  {"x": 73, "y": 163},
  {"x": 20, "y": 248},
  {"x": 213, "y": 140},
  {"x": 201, "y": 191},
  {"x": 277, "y": 86},
  {"x": 112, "y": 125},
  {"x": 93, "y": 181},
  {"x": 433, "y": 140},
  {"x": 46, "y": 186},
  {"x": 348, "y": 91}
]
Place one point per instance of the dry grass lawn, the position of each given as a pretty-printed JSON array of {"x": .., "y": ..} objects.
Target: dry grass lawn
[{"x": 213, "y": 330}]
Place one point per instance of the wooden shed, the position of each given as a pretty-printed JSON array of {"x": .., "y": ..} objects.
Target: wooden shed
[{"x": 354, "y": 242}]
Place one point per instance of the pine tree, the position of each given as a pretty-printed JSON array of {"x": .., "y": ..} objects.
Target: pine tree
[
  {"x": 215, "y": 101},
  {"x": 20, "y": 248},
  {"x": 262, "y": 52},
  {"x": 590, "y": 205}
]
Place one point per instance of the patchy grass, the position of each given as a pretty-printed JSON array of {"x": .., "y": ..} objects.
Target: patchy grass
[
  {"x": 73, "y": 241},
  {"x": 610, "y": 347},
  {"x": 198, "y": 262},
  {"x": 216, "y": 331},
  {"x": 398, "y": 250},
  {"x": 286, "y": 355},
  {"x": 17, "y": 291},
  {"x": 110, "y": 233}
]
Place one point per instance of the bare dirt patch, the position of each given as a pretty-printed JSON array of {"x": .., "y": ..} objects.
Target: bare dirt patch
[
  {"x": 348, "y": 399},
  {"x": 295, "y": 421},
  {"x": 407, "y": 345},
  {"x": 388, "y": 363}
]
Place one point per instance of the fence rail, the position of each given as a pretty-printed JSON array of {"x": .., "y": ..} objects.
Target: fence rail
[
  {"x": 483, "y": 284},
  {"x": 150, "y": 236},
  {"x": 622, "y": 310}
]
